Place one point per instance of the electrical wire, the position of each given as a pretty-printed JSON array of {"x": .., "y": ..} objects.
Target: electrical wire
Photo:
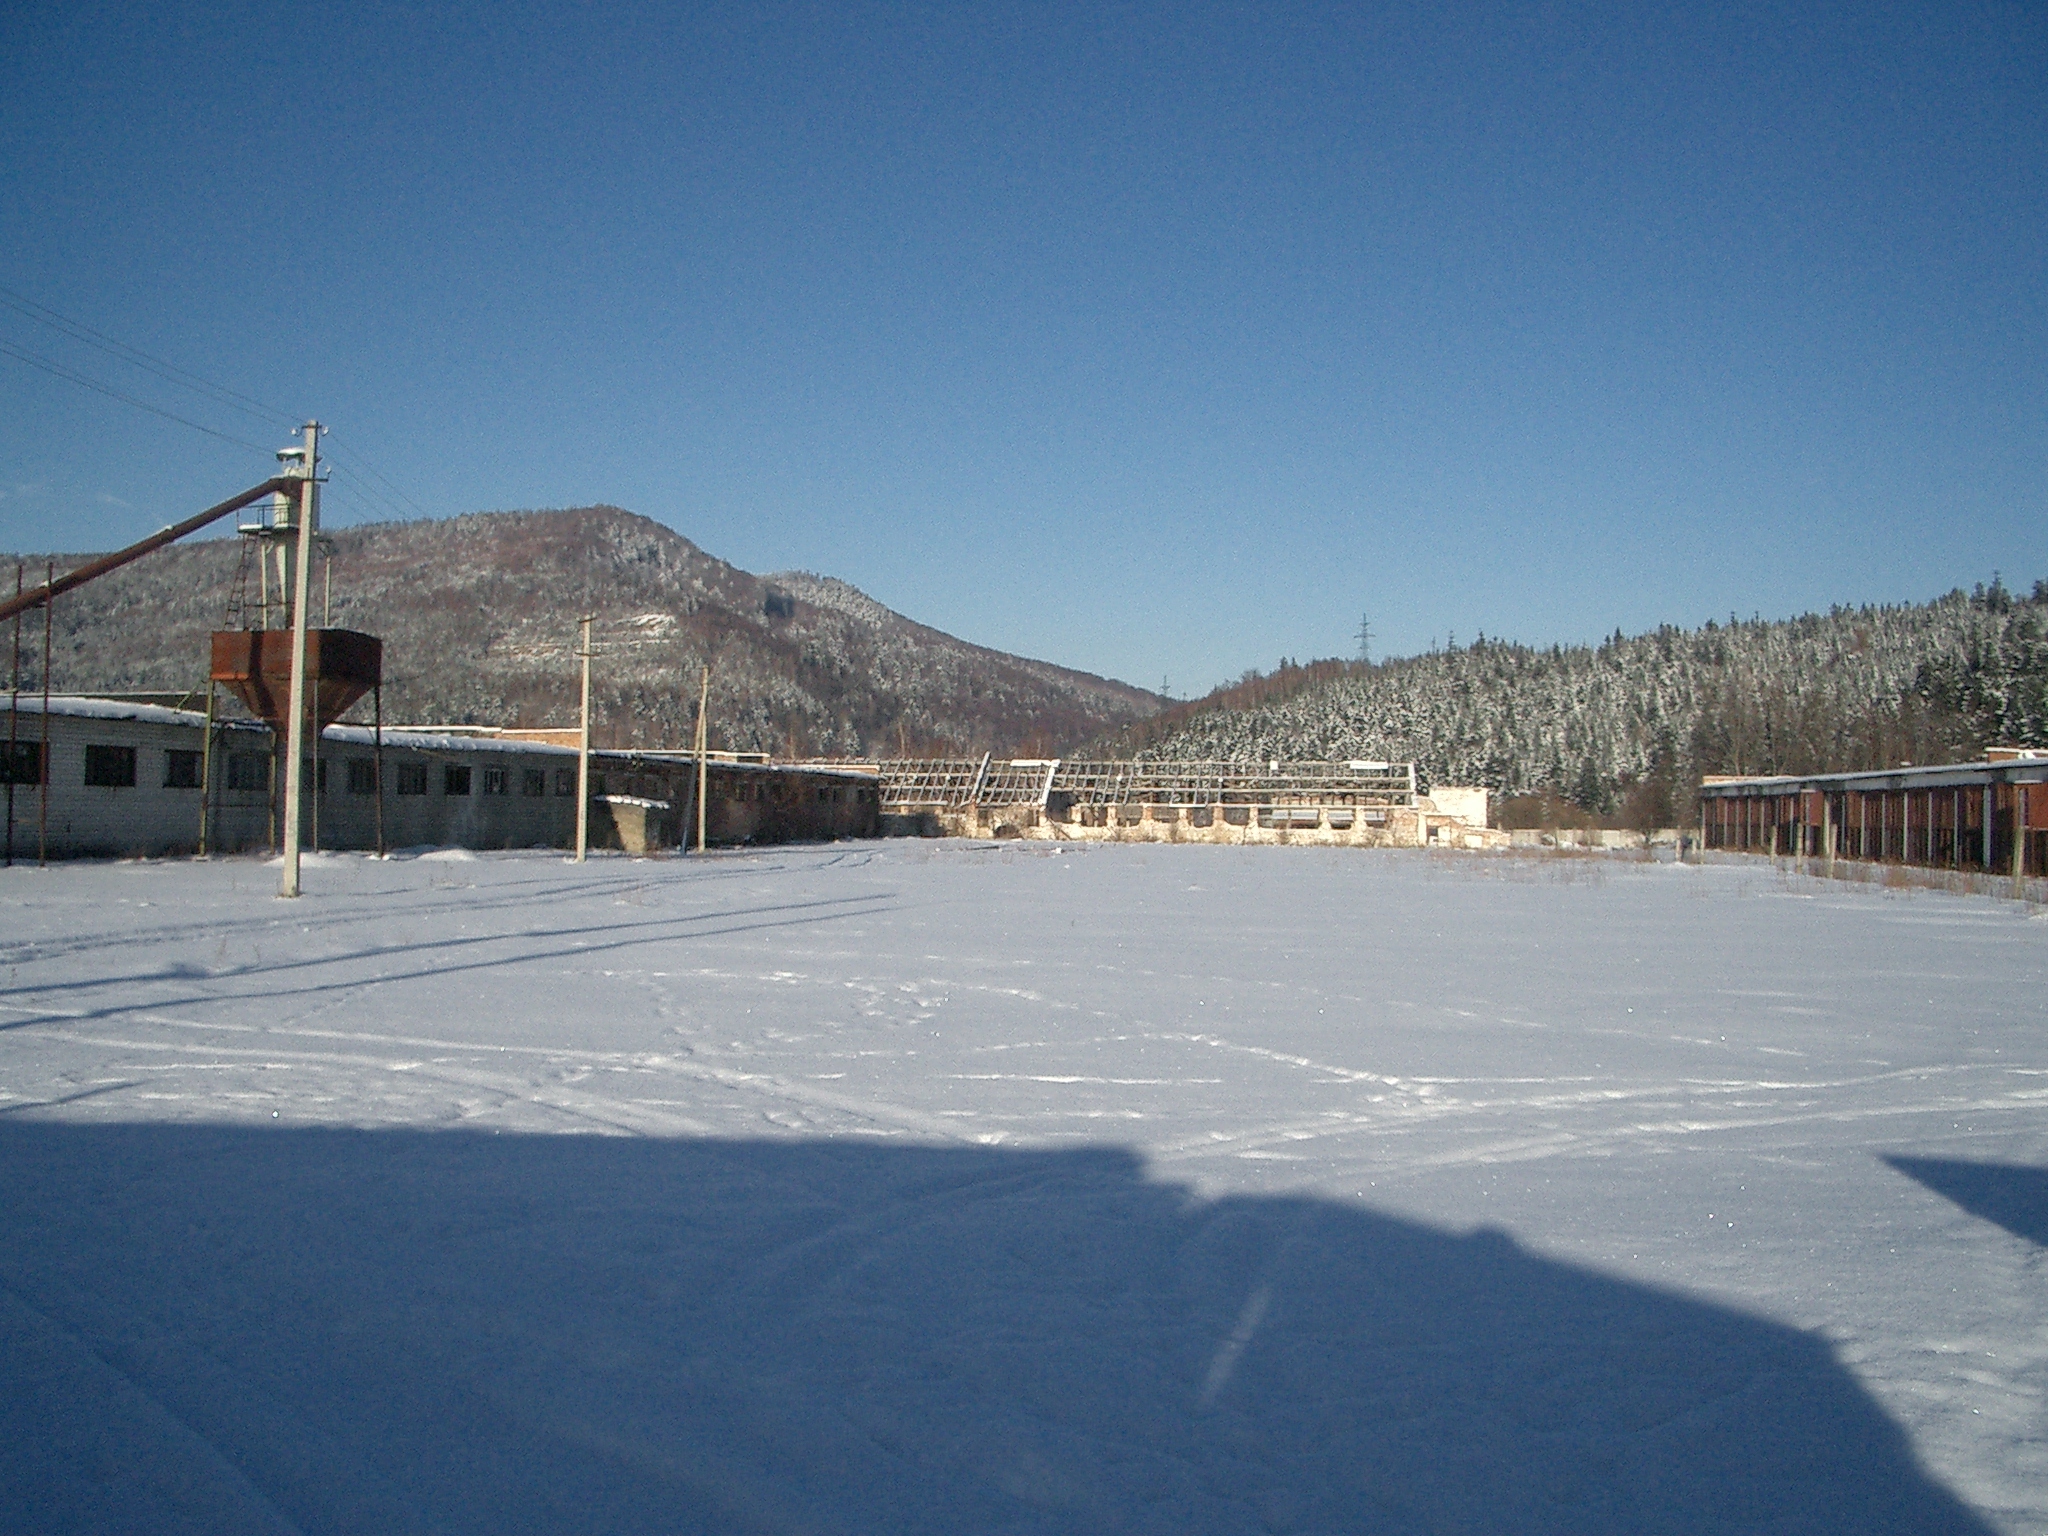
[
  {"x": 354, "y": 493},
  {"x": 62, "y": 372},
  {"x": 364, "y": 470},
  {"x": 361, "y": 470},
  {"x": 371, "y": 498},
  {"x": 136, "y": 357}
]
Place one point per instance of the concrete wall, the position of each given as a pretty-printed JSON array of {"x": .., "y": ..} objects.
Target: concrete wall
[
  {"x": 444, "y": 790},
  {"x": 748, "y": 802},
  {"x": 150, "y": 816},
  {"x": 1466, "y": 803},
  {"x": 1593, "y": 837},
  {"x": 1330, "y": 826},
  {"x": 1448, "y": 817},
  {"x": 473, "y": 792}
]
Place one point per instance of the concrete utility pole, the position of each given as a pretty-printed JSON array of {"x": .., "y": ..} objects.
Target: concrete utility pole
[
  {"x": 14, "y": 719},
  {"x": 295, "y": 731},
  {"x": 43, "y": 774},
  {"x": 703, "y": 742},
  {"x": 583, "y": 752}
]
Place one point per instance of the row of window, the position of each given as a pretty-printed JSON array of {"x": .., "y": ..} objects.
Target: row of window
[
  {"x": 457, "y": 779},
  {"x": 109, "y": 767}
]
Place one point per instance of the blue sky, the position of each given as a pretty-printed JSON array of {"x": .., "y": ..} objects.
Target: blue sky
[{"x": 1158, "y": 341}]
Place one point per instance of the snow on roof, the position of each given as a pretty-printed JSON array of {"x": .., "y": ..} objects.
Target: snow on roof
[
  {"x": 87, "y": 708},
  {"x": 439, "y": 741},
  {"x": 423, "y": 740},
  {"x": 1913, "y": 775},
  {"x": 862, "y": 773}
]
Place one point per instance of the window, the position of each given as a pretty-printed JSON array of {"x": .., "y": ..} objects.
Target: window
[
  {"x": 249, "y": 770},
  {"x": 565, "y": 781},
  {"x": 534, "y": 782},
  {"x": 21, "y": 763},
  {"x": 454, "y": 779},
  {"x": 412, "y": 778},
  {"x": 181, "y": 769},
  {"x": 362, "y": 776},
  {"x": 110, "y": 767},
  {"x": 494, "y": 781}
]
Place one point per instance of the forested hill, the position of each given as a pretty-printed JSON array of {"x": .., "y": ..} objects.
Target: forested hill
[
  {"x": 478, "y": 616},
  {"x": 1625, "y": 729}
]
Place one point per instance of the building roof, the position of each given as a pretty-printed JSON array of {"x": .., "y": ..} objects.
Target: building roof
[
  {"x": 2013, "y": 770},
  {"x": 81, "y": 706},
  {"x": 418, "y": 738},
  {"x": 439, "y": 741}
]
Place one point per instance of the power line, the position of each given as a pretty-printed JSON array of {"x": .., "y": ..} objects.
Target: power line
[
  {"x": 354, "y": 487},
  {"x": 77, "y": 330},
  {"x": 362, "y": 470},
  {"x": 108, "y": 390}
]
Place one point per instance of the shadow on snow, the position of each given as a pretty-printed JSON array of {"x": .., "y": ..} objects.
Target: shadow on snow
[
  {"x": 2014, "y": 1197},
  {"x": 222, "y": 1329},
  {"x": 430, "y": 957}
]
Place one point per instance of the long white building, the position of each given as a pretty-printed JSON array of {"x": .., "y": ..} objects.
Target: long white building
[{"x": 123, "y": 779}]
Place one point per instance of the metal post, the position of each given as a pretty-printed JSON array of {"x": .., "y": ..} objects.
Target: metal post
[
  {"x": 1989, "y": 808},
  {"x": 703, "y": 743},
  {"x": 206, "y": 768},
  {"x": 14, "y": 721},
  {"x": 295, "y": 724},
  {"x": 1827, "y": 833},
  {"x": 2019, "y": 841},
  {"x": 583, "y": 753},
  {"x": 377, "y": 762},
  {"x": 43, "y": 772}
]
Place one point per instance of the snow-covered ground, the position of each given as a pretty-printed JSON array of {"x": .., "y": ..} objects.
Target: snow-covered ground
[{"x": 951, "y": 1187}]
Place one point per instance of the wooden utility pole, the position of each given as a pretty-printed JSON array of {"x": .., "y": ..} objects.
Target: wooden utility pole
[
  {"x": 703, "y": 699},
  {"x": 2019, "y": 841},
  {"x": 583, "y": 751},
  {"x": 206, "y": 769},
  {"x": 295, "y": 726},
  {"x": 377, "y": 762}
]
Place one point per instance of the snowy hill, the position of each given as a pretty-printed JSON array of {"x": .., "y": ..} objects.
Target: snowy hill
[
  {"x": 478, "y": 616},
  {"x": 1625, "y": 729}
]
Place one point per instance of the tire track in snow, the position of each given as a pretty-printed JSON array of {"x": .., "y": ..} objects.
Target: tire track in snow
[{"x": 896, "y": 1117}]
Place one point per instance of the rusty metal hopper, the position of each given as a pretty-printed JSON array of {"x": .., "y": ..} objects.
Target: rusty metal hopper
[{"x": 341, "y": 665}]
